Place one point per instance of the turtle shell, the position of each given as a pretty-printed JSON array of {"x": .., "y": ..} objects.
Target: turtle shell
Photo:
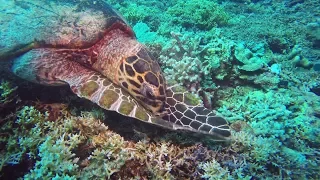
[{"x": 58, "y": 24}]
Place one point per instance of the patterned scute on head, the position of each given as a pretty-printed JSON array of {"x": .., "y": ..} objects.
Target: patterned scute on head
[{"x": 141, "y": 76}]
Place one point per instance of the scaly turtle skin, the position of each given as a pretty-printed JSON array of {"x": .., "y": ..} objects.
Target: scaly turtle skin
[{"x": 93, "y": 50}]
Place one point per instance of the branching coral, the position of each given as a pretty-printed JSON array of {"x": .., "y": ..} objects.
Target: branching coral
[
  {"x": 8, "y": 93},
  {"x": 136, "y": 13},
  {"x": 84, "y": 147},
  {"x": 109, "y": 154},
  {"x": 169, "y": 161},
  {"x": 279, "y": 122},
  {"x": 56, "y": 158},
  {"x": 187, "y": 61},
  {"x": 213, "y": 171},
  {"x": 25, "y": 139},
  {"x": 158, "y": 159},
  {"x": 180, "y": 60},
  {"x": 59, "y": 145}
]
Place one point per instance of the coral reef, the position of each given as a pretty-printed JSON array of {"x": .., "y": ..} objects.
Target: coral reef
[
  {"x": 187, "y": 61},
  {"x": 255, "y": 62},
  {"x": 82, "y": 146}
]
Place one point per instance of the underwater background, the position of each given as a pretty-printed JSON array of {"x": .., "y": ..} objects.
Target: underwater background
[{"x": 256, "y": 63}]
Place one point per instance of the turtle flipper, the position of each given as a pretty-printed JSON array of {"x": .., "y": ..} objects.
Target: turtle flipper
[
  {"x": 185, "y": 110},
  {"x": 15, "y": 51}
]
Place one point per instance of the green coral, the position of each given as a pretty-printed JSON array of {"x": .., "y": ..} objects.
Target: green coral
[
  {"x": 186, "y": 60},
  {"x": 109, "y": 155},
  {"x": 26, "y": 138},
  {"x": 203, "y": 14},
  {"x": 251, "y": 59},
  {"x": 180, "y": 61},
  {"x": 56, "y": 145},
  {"x": 279, "y": 120},
  {"x": 135, "y": 12},
  {"x": 217, "y": 56},
  {"x": 213, "y": 171},
  {"x": 144, "y": 33},
  {"x": 82, "y": 147},
  {"x": 7, "y": 92},
  {"x": 56, "y": 158},
  {"x": 267, "y": 80}
]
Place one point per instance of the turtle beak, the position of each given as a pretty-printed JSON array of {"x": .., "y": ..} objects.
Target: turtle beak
[{"x": 162, "y": 111}]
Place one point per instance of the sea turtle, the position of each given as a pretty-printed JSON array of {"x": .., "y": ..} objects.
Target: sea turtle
[{"x": 90, "y": 47}]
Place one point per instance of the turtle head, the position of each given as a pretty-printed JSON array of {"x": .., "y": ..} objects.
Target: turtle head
[{"x": 141, "y": 75}]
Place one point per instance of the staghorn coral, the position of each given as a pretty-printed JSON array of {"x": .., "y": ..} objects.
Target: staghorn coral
[
  {"x": 169, "y": 161},
  {"x": 81, "y": 146},
  {"x": 8, "y": 93},
  {"x": 158, "y": 158},
  {"x": 56, "y": 158},
  {"x": 24, "y": 139},
  {"x": 109, "y": 152},
  {"x": 213, "y": 171},
  {"x": 58, "y": 144}
]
